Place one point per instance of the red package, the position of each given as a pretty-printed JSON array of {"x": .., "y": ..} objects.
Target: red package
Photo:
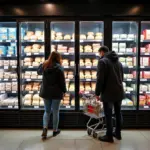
[
  {"x": 134, "y": 50},
  {"x": 146, "y": 34},
  {"x": 146, "y": 74},
  {"x": 142, "y": 49},
  {"x": 142, "y": 100}
]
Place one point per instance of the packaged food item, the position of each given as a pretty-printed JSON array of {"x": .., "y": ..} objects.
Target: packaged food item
[
  {"x": 123, "y": 36},
  {"x": 82, "y": 37},
  {"x": 3, "y": 50},
  {"x": 131, "y": 36},
  {"x": 12, "y": 33},
  {"x": 3, "y": 33},
  {"x": 115, "y": 36},
  {"x": 11, "y": 50},
  {"x": 67, "y": 37},
  {"x": 146, "y": 34}
]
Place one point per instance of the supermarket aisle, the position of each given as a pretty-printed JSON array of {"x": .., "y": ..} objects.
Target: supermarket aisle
[{"x": 70, "y": 140}]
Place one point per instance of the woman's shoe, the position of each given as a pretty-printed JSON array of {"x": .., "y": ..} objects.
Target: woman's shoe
[
  {"x": 55, "y": 133},
  {"x": 44, "y": 134}
]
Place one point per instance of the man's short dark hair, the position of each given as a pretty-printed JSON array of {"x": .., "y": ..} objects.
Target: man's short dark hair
[{"x": 105, "y": 49}]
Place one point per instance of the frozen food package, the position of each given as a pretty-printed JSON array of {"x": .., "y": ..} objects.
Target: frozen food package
[{"x": 12, "y": 33}]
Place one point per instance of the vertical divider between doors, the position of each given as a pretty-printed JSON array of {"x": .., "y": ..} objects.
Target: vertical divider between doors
[
  {"x": 108, "y": 32},
  {"x": 47, "y": 38},
  {"x": 138, "y": 63},
  {"x": 19, "y": 64},
  {"x": 77, "y": 55}
]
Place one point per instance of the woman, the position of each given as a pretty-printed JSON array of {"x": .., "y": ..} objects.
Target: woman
[{"x": 52, "y": 90}]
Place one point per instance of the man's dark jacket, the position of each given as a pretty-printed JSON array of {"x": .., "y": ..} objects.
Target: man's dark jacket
[
  {"x": 109, "y": 78},
  {"x": 53, "y": 83}
]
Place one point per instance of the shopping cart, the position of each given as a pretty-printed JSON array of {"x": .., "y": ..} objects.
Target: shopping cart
[{"x": 94, "y": 109}]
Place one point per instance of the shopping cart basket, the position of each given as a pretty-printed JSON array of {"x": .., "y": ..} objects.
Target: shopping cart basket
[{"x": 93, "y": 109}]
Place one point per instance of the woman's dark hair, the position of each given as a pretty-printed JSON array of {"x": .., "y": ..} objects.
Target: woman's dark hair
[{"x": 54, "y": 58}]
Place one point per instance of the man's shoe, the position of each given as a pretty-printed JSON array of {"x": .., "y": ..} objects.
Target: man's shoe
[
  {"x": 44, "y": 133},
  {"x": 106, "y": 139},
  {"x": 117, "y": 136},
  {"x": 55, "y": 133}
]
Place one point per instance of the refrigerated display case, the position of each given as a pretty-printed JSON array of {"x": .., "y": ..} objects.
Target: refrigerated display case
[
  {"x": 8, "y": 66},
  {"x": 32, "y": 55},
  {"x": 91, "y": 38},
  {"x": 144, "y": 95},
  {"x": 62, "y": 41},
  {"x": 124, "y": 43}
]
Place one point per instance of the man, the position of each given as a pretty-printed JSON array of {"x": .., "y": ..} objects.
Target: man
[{"x": 109, "y": 86}]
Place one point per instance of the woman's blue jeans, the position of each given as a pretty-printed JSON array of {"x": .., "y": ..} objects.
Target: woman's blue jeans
[{"x": 51, "y": 105}]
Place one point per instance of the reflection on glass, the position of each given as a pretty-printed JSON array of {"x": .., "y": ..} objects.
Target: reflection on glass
[
  {"x": 91, "y": 38},
  {"x": 124, "y": 43},
  {"x": 8, "y": 66},
  {"x": 144, "y": 99},
  {"x": 32, "y": 54},
  {"x": 62, "y": 39}
]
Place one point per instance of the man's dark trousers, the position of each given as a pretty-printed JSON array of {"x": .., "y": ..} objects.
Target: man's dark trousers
[{"x": 108, "y": 107}]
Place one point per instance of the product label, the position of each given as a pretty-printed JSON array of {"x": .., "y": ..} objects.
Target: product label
[
  {"x": 36, "y": 53},
  {"x": 30, "y": 91},
  {"x": 129, "y": 79},
  {"x": 88, "y": 66},
  {"x": 5, "y": 67},
  {"x": 68, "y": 107},
  {"x": 14, "y": 79},
  {"x": 5, "y": 79},
  {"x": 28, "y": 79},
  {"x": 36, "y": 107},
  {"x": 14, "y": 91},
  {"x": 14, "y": 66},
  {"x": 143, "y": 79},
  {"x": 88, "y": 79},
  {"x": 2, "y": 91},
  {"x": 28, "y": 54},
  {"x": 146, "y": 106},
  {"x": 15, "y": 106},
  {"x": 66, "y": 53},
  {"x": 10, "y": 106},
  {"x": 30, "y": 67}
]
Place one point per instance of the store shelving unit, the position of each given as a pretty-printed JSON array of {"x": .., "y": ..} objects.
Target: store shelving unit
[
  {"x": 91, "y": 38},
  {"x": 124, "y": 42},
  {"x": 8, "y": 66},
  {"x": 63, "y": 41},
  {"x": 144, "y": 92}
]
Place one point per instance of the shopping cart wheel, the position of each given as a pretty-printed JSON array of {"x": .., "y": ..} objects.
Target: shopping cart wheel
[
  {"x": 89, "y": 131},
  {"x": 94, "y": 135}
]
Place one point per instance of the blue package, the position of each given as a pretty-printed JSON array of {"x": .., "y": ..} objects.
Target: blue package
[
  {"x": 12, "y": 33},
  {"x": 11, "y": 50},
  {"x": 3, "y": 33},
  {"x": 22, "y": 33},
  {"x": 3, "y": 50}
]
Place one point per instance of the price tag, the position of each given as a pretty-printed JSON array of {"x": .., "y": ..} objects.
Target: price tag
[
  {"x": 30, "y": 91},
  {"x": 88, "y": 66},
  {"x": 14, "y": 66},
  {"x": 36, "y": 53},
  {"x": 130, "y": 67},
  {"x": 7, "y": 40},
  {"x": 129, "y": 79},
  {"x": 68, "y": 107},
  {"x": 8, "y": 55},
  {"x": 120, "y": 53},
  {"x": 97, "y": 54},
  {"x": 0, "y": 40},
  {"x": 148, "y": 92},
  {"x": 15, "y": 106},
  {"x": 87, "y": 92},
  {"x": 81, "y": 40},
  {"x": 5, "y": 79},
  {"x": 30, "y": 67},
  {"x": 88, "y": 79},
  {"x": 14, "y": 91},
  {"x": 2, "y": 91},
  {"x": 146, "y": 106},
  {"x": 67, "y": 79},
  {"x": 5, "y": 67},
  {"x": 14, "y": 79},
  {"x": 32, "y": 40},
  {"x": 36, "y": 107},
  {"x": 28, "y": 79},
  {"x": 38, "y": 92},
  {"x": 147, "y": 54},
  {"x": 141, "y": 92},
  {"x": 10, "y": 106},
  {"x": 28, "y": 54},
  {"x": 143, "y": 79},
  {"x": 66, "y": 66},
  {"x": 142, "y": 66},
  {"x": 66, "y": 53}
]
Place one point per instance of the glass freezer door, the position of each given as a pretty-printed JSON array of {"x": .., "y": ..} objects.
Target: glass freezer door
[
  {"x": 32, "y": 54},
  {"x": 91, "y": 38},
  {"x": 144, "y": 98},
  {"x": 124, "y": 43},
  {"x": 62, "y": 41},
  {"x": 8, "y": 66}
]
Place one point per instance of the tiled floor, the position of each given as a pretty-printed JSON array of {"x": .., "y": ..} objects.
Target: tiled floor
[{"x": 71, "y": 140}]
